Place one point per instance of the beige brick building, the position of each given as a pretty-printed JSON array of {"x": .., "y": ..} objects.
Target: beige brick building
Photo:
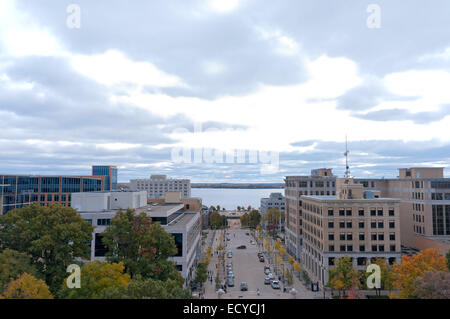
[{"x": 353, "y": 223}]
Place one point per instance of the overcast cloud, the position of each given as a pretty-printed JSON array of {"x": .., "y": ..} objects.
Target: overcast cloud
[{"x": 141, "y": 79}]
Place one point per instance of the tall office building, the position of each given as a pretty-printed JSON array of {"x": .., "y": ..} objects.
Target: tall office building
[
  {"x": 424, "y": 196},
  {"x": 17, "y": 191},
  {"x": 320, "y": 182},
  {"x": 158, "y": 185},
  {"x": 355, "y": 223},
  {"x": 110, "y": 173}
]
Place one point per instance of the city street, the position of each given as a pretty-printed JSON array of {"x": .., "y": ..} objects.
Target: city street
[{"x": 247, "y": 268}]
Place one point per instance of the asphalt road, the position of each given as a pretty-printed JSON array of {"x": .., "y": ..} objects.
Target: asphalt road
[{"x": 248, "y": 268}]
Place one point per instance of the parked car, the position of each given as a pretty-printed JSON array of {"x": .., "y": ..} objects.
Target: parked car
[
  {"x": 244, "y": 286},
  {"x": 230, "y": 282},
  {"x": 267, "y": 281},
  {"x": 270, "y": 275},
  {"x": 260, "y": 255},
  {"x": 230, "y": 254},
  {"x": 248, "y": 234},
  {"x": 275, "y": 284},
  {"x": 230, "y": 263},
  {"x": 241, "y": 247},
  {"x": 261, "y": 259}
]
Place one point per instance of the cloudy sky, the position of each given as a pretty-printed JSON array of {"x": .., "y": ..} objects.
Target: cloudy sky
[{"x": 145, "y": 84}]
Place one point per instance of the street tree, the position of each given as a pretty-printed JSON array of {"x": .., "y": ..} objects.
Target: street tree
[
  {"x": 343, "y": 277},
  {"x": 412, "y": 268},
  {"x": 433, "y": 285}
]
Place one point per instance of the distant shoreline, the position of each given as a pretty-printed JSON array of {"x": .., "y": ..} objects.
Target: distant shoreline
[{"x": 238, "y": 186}]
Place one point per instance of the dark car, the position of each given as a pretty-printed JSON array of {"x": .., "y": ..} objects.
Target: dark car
[
  {"x": 261, "y": 259},
  {"x": 267, "y": 281},
  {"x": 244, "y": 286},
  {"x": 241, "y": 247},
  {"x": 260, "y": 254}
]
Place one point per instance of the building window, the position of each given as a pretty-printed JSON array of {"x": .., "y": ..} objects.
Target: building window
[
  {"x": 330, "y": 236},
  {"x": 362, "y": 248},
  {"x": 331, "y": 248},
  {"x": 342, "y": 248},
  {"x": 349, "y": 212},
  {"x": 380, "y": 225},
  {"x": 392, "y": 236},
  {"x": 361, "y": 261},
  {"x": 331, "y": 261},
  {"x": 362, "y": 237},
  {"x": 374, "y": 237},
  {"x": 392, "y": 247},
  {"x": 349, "y": 248},
  {"x": 391, "y": 224},
  {"x": 373, "y": 212},
  {"x": 342, "y": 236},
  {"x": 361, "y": 224},
  {"x": 342, "y": 225},
  {"x": 349, "y": 237},
  {"x": 391, "y": 212},
  {"x": 374, "y": 247},
  {"x": 361, "y": 212},
  {"x": 330, "y": 212},
  {"x": 330, "y": 225},
  {"x": 380, "y": 236},
  {"x": 349, "y": 224},
  {"x": 104, "y": 222},
  {"x": 373, "y": 225},
  {"x": 341, "y": 212},
  {"x": 381, "y": 248}
]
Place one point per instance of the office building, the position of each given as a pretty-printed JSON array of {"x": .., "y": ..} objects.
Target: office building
[
  {"x": 355, "y": 223},
  {"x": 110, "y": 173},
  {"x": 21, "y": 190},
  {"x": 275, "y": 200},
  {"x": 321, "y": 182},
  {"x": 424, "y": 205},
  {"x": 158, "y": 185},
  {"x": 180, "y": 219}
]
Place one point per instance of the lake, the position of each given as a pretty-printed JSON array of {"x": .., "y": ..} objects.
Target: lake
[{"x": 230, "y": 198}]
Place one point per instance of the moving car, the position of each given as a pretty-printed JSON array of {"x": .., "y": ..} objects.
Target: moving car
[
  {"x": 275, "y": 284},
  {"x": 267, "y": 281},
  {"x": 244, "y": 286},
  {"x": 241, "y": 247}
]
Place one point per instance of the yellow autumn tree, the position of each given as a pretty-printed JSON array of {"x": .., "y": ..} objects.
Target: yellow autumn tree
[
  {"x": 297, "y": 266},
  {"x": 27, "y": 286},
  {"x": 412, "y": 268}
]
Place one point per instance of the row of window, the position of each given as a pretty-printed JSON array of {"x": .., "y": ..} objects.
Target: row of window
[
  {"x": 362, "y": 248},
  {"x": 361, "y": 224},
  {"x": 361, "y": 237},
  {"x": 361, "y": 212}
]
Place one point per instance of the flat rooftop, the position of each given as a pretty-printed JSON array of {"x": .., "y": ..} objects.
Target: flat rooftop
[
  {"x": 331, "y": 197},
  {"x": 183, "y": 220}
]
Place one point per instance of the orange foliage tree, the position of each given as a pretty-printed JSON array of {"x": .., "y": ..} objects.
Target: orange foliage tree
[
  {"x": 27, "y": 286},
  {"x": 412, "y": 268}
]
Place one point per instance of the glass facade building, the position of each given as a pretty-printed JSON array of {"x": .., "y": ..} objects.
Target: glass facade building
[
  {"x": 17, "y": 191},
  {"x": 110, "y": 174}
]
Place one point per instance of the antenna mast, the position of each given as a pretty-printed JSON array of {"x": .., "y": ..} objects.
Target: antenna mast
[{"x": 347, "y": 168}]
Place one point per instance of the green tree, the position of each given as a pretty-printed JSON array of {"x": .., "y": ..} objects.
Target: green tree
[
  {"x": 143, "y": 247},
  {"x": 216, "y": 220},
  {"x": 53, "y": 236},
  {"x": 26, "y": 286},
  {"x": 95, "y": 278},
  {"x": 13, "y": 264},
  {"x": 254, "y": 218},
  {"x": 343, "y": 277},
  {"x": 201, "y": 274},
  {"x": 148, "y": 289}
]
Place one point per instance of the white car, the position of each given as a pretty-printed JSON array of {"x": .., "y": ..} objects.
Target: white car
[
  {"x": 267, "y": 271},
  {"x": 270, "y": 276}
]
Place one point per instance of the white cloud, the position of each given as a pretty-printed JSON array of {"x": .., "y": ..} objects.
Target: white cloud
[
  {"x": 113, "y": 67},
  {"x": 223, "y": 6}
]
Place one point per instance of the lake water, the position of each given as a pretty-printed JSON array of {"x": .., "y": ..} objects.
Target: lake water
[{"x": 230, "y": 198}]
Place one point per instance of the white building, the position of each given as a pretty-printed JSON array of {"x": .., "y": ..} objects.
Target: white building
[
  {"x": 275, "y": 200},
  {"x": 100, "y": 207},
  {"x": 158, "y": 185}
]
